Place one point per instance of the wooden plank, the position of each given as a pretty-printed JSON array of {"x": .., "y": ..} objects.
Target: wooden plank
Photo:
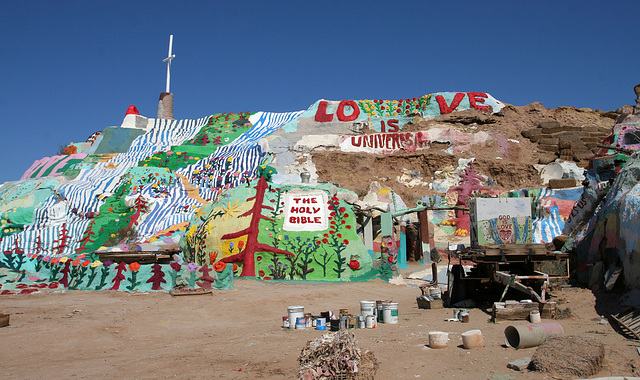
[{"x": 512, "y": 311}]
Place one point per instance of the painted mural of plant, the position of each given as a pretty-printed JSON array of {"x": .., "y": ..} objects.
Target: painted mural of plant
[
  {"x": 206, "y": 279},
  {"x": 333, "y": 243},
  {"x": 119, "y": 277},
  {"x": 87, "y": 239},
  {"x": 247, "y": 257},
  {"x": 157, "y": 279},
  {"x": 13, "y": 258},
  {"x": 299, "y": 264},
  {"x": 92, "y": 272},
  {"x": 78, "y": 271},
  {"x": 62, "y": 242},
  {"x": 192, "y": 268},
  {"x": 174, "y": 273},
  {"x": 104, "y": 274},
  {"x": 133, "y": 277},
  {"x": 400, "y": 107}
]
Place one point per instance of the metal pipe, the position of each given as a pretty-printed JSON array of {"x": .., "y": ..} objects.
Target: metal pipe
[{"x": 531, "y": 335}]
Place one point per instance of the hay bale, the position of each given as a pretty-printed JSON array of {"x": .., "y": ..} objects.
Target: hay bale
[
  {"x": 574, "y": 356},
  {"x": 336, "y": 356}
]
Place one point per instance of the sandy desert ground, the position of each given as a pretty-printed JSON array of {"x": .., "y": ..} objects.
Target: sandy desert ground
[{"x": 237, "y": 334}]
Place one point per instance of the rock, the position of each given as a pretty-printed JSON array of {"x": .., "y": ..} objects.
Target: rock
[
  {"x": 520, "y": 364},
  {"x": 549, "y": 124},
  {"x": 547, "y": 158}
]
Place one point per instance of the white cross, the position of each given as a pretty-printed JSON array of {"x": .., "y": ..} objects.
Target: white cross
[{"x": 168, "y": 60}]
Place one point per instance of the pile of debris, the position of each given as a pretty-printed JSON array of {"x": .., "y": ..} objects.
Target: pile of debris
[
  {"x": 572, "y": 356},
  {"x": 336, "y": 356}
]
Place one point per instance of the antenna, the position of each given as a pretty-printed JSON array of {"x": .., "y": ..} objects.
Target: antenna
[{"x": 168, "y": 60}]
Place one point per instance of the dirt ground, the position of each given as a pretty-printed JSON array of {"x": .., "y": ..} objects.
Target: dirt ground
[{"x": 237, "y": 334}]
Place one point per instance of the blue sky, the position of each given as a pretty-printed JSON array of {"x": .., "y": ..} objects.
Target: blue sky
[{"x": 70, "y": 68}]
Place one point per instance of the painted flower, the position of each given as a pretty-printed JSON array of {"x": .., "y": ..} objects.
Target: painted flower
[
  {"x": 134, "y": 267},
  {"x": 261, "y": 273},
  {"x": 325, "y": 240},
  {"x": 175, "y": 266},
  {"x": 219, "y": 266},
  {"x": 75, "y": 262},
  {"x": 108, "y": 263},
  {"x": 235, "y": 267},
  {"x": 354, "y": 264},
  {"x": 341, "y": 209},
  {"x": 86, "y": 263},
  {"x": 213, "y": 256},
  {"x": 96, "y": 264},
  {"x": 345, "y": 242},
  {"x": 192, "y": 267},
  {"x": 390, "y": 259},
  {"x": 64, "y": 259},
  {"x": 258, "y": 258}
]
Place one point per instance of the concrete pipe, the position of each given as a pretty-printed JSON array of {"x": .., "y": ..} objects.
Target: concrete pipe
[
  {"x": 472, "y": 339},
  {"x": 531, "y": 335},
  {"x": 438, "y": 339}
]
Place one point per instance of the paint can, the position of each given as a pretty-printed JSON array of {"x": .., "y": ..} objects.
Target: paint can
[
  {"x": 335, "y": 324},
  {"x": 343, "y": 312},
  {"x": 370, "y": 322},
  {"x": 301, "y": 323},
  {"x": 308, "y": 320},
  {"x": 321, "y": 324},
  {"x": 326, "y": 315},
  {"x": 367, "y": 308},
  {"x": 534, "y": 316},
  {"x": 464, "y": 316},
  {"x": 295, "y": 312},
  {"x": 285, "y": 322},
  {"x": 352, "y": 322},
  {"x": 390, "y": 312},
  {"x": 362, "y": 322},
  {"x": 379, "y": 310}
]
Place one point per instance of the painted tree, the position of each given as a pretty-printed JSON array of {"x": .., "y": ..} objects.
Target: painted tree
[
  {"x": 252, "y": 246},
  {"x": 86, "y": 239},
  {"x": 206, "y": 279},
  {"x": 122, "y": 267},
  {"x": 62, "y": 241},
  {"x": 65, "y": 274},
  {"x": 157, "y": 278},
  {"x": 470, "y": 181}
]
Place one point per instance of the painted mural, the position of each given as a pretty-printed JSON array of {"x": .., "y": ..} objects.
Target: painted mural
[{"x": 208, "y": 190}]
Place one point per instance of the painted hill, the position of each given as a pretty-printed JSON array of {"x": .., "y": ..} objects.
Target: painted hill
[{"x": 224, "y": 193}]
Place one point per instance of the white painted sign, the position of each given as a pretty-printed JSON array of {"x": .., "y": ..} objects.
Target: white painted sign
[{"x": 305, "y": 211}]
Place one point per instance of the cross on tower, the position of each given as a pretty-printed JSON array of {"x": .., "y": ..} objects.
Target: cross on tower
[{"x": 168, "y": 60}]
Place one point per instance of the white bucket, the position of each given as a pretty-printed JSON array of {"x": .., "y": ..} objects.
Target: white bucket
[
  {"x": 534, "y": 316},
  {"x": 438, "y": 339},
  {"x": 367, "y": 308},
  {"x": 435, "y": 292},
  {"x": 390, "y": 312},
  {"x": 294, "y": 312},
  {"x": 301, "y": 323},
  {"x": 370, "y": 321}
]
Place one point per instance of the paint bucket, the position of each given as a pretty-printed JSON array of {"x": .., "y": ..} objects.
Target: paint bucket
[
  {"x": 285, "y": 322},
  {"x": 352, "y": 322},
  {"x": 308, "y": 320},
  {"x": 361, "y": 322},
  {"x": 438, "y": 339},
  {"x": 367, "y": 308},
  {"x": 464, "y": 316},
  {"x": 531, "y": 335},
  {"x": 294, "y": 312},
  {"x": 379, "y": 310},
  {"x": 534, "y": 316},
  {"x": 390, "y": 312},
  {"x": 326, "y": 315},
  {"x": 370, "y": 321},
  {"x": 321, "y": 324},
  {"x": 301, "y": 323},
  {"x": 335, "y": 324},
  {"x": 343, "y": 312},
  {"x": 472, "y": 339}
]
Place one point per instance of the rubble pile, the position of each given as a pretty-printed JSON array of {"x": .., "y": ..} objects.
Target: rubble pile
[{"x": 336, "y": 356}]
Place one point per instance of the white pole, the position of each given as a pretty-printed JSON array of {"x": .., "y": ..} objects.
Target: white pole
[{"x": 168, "y": 60}]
